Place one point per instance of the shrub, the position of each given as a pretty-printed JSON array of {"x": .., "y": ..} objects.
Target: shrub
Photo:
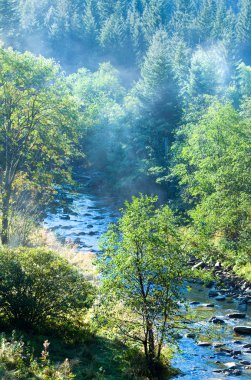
[
  {"x": 17, "y": 362},
  {"x": 38, "y": 288}
]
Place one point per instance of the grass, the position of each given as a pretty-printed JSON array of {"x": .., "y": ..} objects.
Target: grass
[{"x": 99, "y": 358}]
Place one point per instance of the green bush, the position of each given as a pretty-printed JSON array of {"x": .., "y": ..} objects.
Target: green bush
[
  {"x": 38, "y": 288},
  {"x": 17, "y": 362}
]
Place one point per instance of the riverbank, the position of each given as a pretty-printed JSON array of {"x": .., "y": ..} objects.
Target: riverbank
[{"x": 227, "y": 283}]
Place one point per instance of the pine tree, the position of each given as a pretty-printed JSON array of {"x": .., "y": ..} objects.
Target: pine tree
[
  {"x": 89, "y": 22},
  {"x": 157, "y": 92},
  {"x": 206, "y": 18},
  {"x": 243, "y": 27},
  {"x": 9, "y": 18}
]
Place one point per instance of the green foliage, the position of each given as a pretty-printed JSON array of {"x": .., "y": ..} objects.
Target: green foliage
[
  {"x": 39, "y": 289},
  {"x": 38, "y": 129},
  {"x": 141, "y": 270},
  {"x": 214, "y": 171},
  {"x": 208, "y": 72}
]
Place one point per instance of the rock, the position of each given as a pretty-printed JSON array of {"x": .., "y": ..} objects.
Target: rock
[
  {"x": 218, "y": 345},
  {"x": 191, "y": 335},
  {"x": 194, "y": 303},
  {"x": 209, "y": 305},
  {"x": 217, "y": 265},
  {"x": 217, "y": 320},
  {"x": 243, "y": 330},
  {"x": 236, "y": 372},
  {"x": 220, "y": 298},
  {"x": 231, "y": 365},
  {"x": 236, "y": 315},
  {"x": 204, "y": 344},
  {"x": 226, "y": 349},
  {"x": 244, "y": 286},
  {"x": 236, "y": 352},
  {"x": 199, "y": 265},
  {"x": 218, "y": 370},
  {"x": 223, "y": 354},
  {"x": 92, "y": 233},
  {"x": 65, "y": 217},
  {"x": 237, "y": 342},
  {"x": 248, "y": 345},
  {"x": 213, "y": 293},
  {"x": 245, "y": 362}
]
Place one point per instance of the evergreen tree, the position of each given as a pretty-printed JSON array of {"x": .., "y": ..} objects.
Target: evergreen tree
[
  {"x": 9, "y": 19},
  {"x": 206, "y": 18},
  {"x": 159, "y": 105},
  {"x": 243, "y": 27}
]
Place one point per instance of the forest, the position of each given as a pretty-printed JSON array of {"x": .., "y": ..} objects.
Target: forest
[{"x": 146, "y": 103}]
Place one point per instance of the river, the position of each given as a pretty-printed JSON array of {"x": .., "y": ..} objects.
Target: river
[{"x": 85, "y": 219}]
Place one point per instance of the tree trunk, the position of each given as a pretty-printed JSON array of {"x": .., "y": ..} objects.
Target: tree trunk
[
  {"x": 5, "y": 216},
  {"x": 151, "y": 352}
]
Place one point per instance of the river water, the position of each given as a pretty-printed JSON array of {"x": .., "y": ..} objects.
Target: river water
[{"x": 86, "y": 218}]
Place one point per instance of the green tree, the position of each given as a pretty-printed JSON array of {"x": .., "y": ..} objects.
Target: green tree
[
  {"x": 208, "y": 72},
  {"x": 214, "y": 171},
  {"x": 141, "y": 266},
  {"x": 9, "y": 18},
  {"x": 243, "y": 27},
  {"x": 100, "y": 95},
  {"x": 38, "y": 120},
  {"x": 159, "y": 108}
]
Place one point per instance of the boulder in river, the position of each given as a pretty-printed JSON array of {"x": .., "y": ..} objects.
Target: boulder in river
[
  {"x": 243, "y": 330},
  {"x": 219, "y": 344},
  {"x": 236, "y": 352},
  {"x": 191, "y": 335},
  {"x": 245, "y": 362},
  {"x": 194, "y": 303},
  {"x": 204, "y": 344},
  {"x": 92, "y": 233},
  {"x": 231, "y": 365},
  {"x": 65, "y": 217},
  {"x": 220, "y": 298},
  {"x": 248, "y": 345},
  {"x": 217, "y": 320},
  {"x": 236, "y": 315}
]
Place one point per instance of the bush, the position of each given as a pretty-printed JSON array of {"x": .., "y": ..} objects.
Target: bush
[
  {"x": 38, "y": 288},
  {"x": 17, "y": 362}
]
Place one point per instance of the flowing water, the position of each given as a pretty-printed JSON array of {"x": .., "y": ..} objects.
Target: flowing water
[{"x": 87, "y": 218}]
